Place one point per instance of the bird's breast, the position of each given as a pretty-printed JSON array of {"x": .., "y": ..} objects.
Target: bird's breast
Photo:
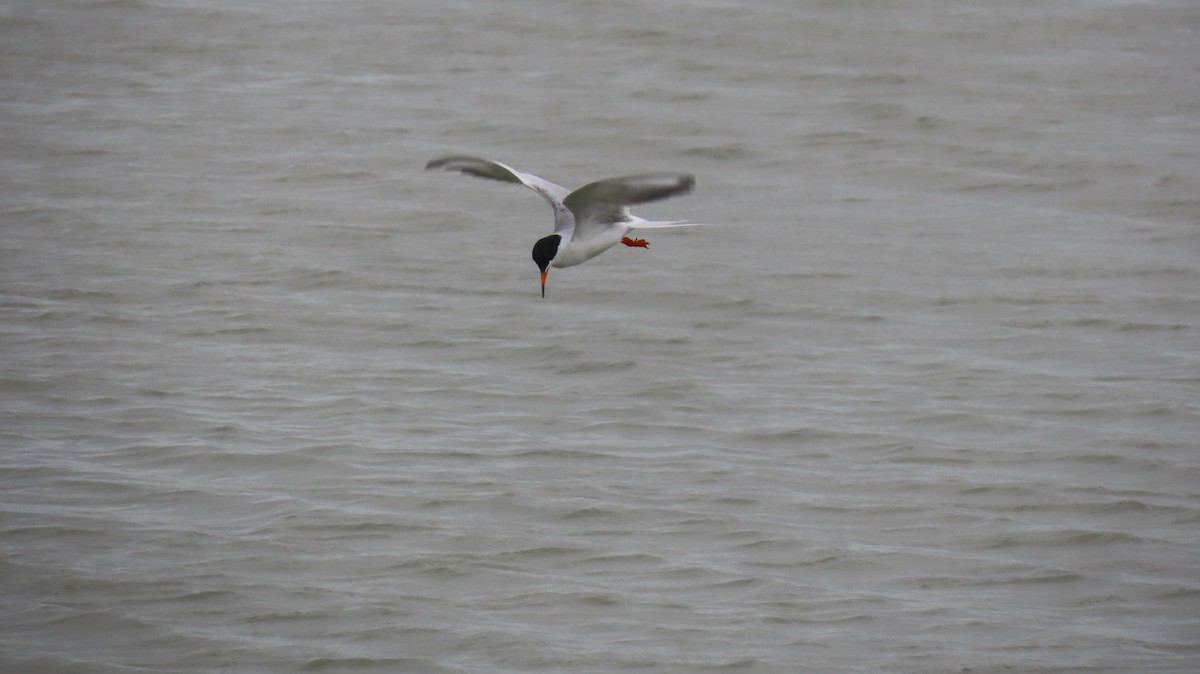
[{"x": 578, "y": 252}]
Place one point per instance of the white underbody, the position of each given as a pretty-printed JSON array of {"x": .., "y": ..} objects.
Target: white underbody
[{"x": 572, "y": 252}]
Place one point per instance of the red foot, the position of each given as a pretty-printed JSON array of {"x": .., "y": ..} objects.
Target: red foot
[{"x": 635, "y": 243}]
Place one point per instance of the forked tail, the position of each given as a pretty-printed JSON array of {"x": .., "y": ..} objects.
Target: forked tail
[{"x": 638, "y": 223}]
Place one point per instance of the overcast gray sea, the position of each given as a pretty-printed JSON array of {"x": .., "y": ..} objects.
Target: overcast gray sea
[{"x": 924, "y": 397}]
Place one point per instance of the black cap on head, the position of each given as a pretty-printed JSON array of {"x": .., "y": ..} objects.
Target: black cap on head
[
  {"x": 543, "y": 254},
  {"x": 545, "y": 250}
]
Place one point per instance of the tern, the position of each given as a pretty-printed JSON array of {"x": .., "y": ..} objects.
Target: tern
[{"x": 589, "y": 220}]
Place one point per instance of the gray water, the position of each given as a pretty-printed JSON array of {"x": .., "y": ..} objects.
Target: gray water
[{"x": 922, "y": 397}]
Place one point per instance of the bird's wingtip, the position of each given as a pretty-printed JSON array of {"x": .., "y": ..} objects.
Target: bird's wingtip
[{"x": 441, "y": 162}]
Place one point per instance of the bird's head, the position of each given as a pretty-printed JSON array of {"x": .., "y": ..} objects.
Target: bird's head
[{"x": 543, "y": 254}]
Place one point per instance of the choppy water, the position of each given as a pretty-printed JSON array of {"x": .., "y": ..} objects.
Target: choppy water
[{"x": 924, "y": 399}]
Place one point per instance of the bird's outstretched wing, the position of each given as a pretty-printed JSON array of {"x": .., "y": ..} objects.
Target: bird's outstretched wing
[
  {"x": 600, "y": 205},
  {"x": 564, "y": 221}
]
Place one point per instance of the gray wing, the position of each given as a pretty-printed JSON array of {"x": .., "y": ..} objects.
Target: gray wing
[
  {"x": 600, "y": 205},
  {"x": 564, "y": 221}
]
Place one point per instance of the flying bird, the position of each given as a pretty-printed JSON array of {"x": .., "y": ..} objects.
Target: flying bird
[{"x": 589, "y": 220}]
